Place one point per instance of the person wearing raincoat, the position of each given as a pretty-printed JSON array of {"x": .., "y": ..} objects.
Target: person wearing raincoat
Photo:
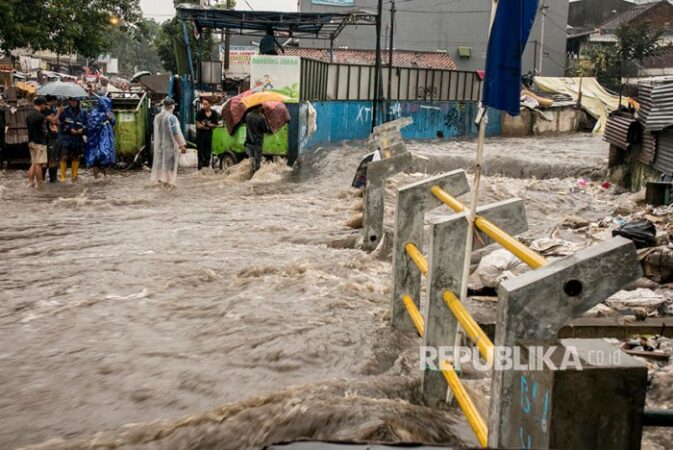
[
  {"x": 100, "y": 146},
  {"x": 168, "y": 143},
  {"x": 73, "y": 123}
]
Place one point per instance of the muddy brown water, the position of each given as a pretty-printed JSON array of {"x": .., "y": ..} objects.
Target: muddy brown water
[{"x": 227, "y": 313}]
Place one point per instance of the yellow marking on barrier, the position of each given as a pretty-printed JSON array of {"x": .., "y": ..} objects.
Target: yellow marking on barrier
[
  {"x": 414, "y": 314},
  {"x": 517, "y": 248},
  {"x": 466, "y": 404},
  {"x": 417, "y": 257},
  {"x": 473, "y": 330}
]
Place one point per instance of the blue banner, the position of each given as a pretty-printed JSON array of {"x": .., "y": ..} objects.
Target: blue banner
[
  {"x": 509, "y": 34},
  {"x": 333, "y": 2}
]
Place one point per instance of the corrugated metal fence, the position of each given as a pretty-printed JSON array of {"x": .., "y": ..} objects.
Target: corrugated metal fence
[{"x": 330, "y": 81}]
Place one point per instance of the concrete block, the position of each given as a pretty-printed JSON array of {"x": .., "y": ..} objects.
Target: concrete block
[
  {"x": 537, "y": 304},
  {"x": 413, "y": 201},
  {"x": 447, "y": 251},
  {"x": 377, "y": 174},
  {"x": 596, "y": 406}
]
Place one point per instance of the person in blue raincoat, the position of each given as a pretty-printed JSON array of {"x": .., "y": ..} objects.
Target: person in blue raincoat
[{"x": 100, "y": 148}]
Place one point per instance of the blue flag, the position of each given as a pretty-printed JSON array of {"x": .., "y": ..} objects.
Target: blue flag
[{"x": 509, "y": 34}]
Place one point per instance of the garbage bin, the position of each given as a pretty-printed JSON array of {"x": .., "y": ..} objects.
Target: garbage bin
[
  {"x": 130, "y": 130},
  {"x": 228, "y": 149}
]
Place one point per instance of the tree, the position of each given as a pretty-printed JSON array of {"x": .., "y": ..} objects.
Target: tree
[
  {"x": 65, "y": 26},
  {"x": 171, "y": 34},
  {"x": 136, "y": 48},
  {"x": 22, "y": 25},
  {"x": 635, "y": 41}
]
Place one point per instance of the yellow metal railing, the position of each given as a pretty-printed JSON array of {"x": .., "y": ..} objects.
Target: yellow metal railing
[
  {"x": 414, "y": 313},
  {"x": 466, "y": 321},
  {"x": 417, "y": 257},
  {"x": 471, "y": 327},
  {"x": 466, "y": 404},
  {"x": 518, "y": 249}
]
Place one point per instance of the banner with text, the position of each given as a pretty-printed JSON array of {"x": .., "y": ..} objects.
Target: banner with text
[{"x": 280, "y": 74}]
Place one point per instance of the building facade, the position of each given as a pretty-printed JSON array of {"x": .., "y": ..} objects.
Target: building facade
[{"x": 458, "y": 28}]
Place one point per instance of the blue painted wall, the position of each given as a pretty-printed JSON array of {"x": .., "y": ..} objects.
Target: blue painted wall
[{"x": 339, "y": 121}]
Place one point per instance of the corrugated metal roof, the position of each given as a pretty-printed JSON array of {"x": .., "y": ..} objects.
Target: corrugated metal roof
[
  {"x": 664, "y": 159},
  {"x": 648, "y": 148},
  {"x": 401, "y": 58},
  {"x": 627, "y": 16},
  {"x": 656, "y": 106},
  {"x": 621, "y": 131}
]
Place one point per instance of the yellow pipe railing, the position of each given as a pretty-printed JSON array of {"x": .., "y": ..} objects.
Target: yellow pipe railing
[
  {"x": 414, "y": 314},
  {"x": 417, "y": 257},
  {"x": 518, "y": 249},
  {"x": 465, "y": 402},
  {"x": 473, "y": 330}
]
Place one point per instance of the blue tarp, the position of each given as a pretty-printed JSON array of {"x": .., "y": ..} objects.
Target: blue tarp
[
  {"x": 509, "y": 34},
  {"x": 100, "y": 146}
]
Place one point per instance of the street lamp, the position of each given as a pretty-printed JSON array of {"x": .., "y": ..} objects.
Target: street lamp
[{"x": 114, "y": 21}]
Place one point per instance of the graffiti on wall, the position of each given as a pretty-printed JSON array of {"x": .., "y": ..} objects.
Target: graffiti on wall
[{"x": 351, "y": 120}]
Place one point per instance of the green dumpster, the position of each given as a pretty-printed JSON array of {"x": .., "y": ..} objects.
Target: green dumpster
[
  {"x": 130, "y": 129},
  {"x": 230, "y": 148}
]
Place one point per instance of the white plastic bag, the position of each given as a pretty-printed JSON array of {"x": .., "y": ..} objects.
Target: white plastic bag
[
  {"x": 188, "y": 159},
  {"x": 495, "y": 268}
]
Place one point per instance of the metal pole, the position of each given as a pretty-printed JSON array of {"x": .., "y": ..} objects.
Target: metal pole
[
  {"x": 227, "y": 42},
  {"x": 543, "y": 10},
  {"x": 472, "y": 213},
  {"x": 377, "y": 75},
  {"x": 331, "y": 49},
  {"x": 390, "y": 54}
]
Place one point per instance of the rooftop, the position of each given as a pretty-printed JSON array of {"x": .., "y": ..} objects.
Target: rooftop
[
  {"x": 627, "y": 16},
  {"x": 401, "y": 58}
]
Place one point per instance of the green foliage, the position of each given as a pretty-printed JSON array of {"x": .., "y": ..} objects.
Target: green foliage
[
  {"x": 22, "y": 25},
  {"x": 171, "y": 35},
  {"x": 65, "y": 26},
  {"x": 637, "y": 41},
  {"x": 606, "y": 64},
  {"x": 136, "y": 48}
]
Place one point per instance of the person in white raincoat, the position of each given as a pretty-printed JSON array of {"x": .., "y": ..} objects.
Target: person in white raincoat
[{"x": 168, "y": 143}]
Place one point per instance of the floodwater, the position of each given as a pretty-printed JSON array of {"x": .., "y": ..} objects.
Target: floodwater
[{"x": 228, "y": 313}]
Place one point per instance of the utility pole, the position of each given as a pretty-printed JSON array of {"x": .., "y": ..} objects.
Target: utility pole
[
  {"x": 390, "y": 52},
  {"x": 543, "y": 11},
  {"x": 377, "y": 75},
  {"x": 227, "y": 42}
]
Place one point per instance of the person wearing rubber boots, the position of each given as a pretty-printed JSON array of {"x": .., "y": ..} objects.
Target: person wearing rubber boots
[{"x": 73, "y": 130}]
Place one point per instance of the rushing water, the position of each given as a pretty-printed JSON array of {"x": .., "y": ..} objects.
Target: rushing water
[{"x": 227, "y": 313}]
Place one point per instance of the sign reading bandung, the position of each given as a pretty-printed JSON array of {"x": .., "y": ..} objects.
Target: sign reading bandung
[
  {"x": 333, "y": 2},
  {"x": 278, "y": 74}
]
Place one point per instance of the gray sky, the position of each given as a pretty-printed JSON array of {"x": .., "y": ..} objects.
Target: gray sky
[{"x": 163, "y": 9}]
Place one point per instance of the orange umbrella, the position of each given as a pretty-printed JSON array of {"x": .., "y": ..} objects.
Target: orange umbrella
[{"x": 262, "y": 97}]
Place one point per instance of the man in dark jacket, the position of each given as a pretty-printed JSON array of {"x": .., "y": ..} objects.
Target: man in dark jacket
[
  {"x": 256, "y": 126},
  {"x": 73, "y": 128},
  {"x": 269, "y": 45}
]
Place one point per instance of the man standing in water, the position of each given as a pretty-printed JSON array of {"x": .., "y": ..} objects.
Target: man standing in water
[
  {"x": 256, "y": 126},
  {"x": 73, "y": 128},
  {"x": 37, "y": 141},
  {"x": 168, "y": 143},
  {"x": 206, "y": 120}
]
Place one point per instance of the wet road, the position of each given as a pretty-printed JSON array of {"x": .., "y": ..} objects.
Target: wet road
[{"x": 124, "y": 303}]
